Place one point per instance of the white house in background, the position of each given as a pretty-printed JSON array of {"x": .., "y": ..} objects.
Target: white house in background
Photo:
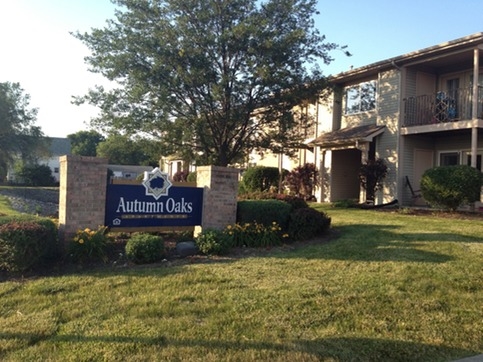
[
  {"x": 174, "y": 164},
  {"x": 57, "y": 147},
  {"x": 128, "y": 172}
]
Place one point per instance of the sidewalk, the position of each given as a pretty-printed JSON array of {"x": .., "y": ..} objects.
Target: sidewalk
[{"x": 478, "y": 358}]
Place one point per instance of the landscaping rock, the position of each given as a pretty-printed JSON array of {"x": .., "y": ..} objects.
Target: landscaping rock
[
  {"x": 186, "y": 248},
  {"x": 43, "y": 202}
]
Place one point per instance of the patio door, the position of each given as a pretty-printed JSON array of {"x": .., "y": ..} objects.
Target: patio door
[{"x": 423, "y": 160}]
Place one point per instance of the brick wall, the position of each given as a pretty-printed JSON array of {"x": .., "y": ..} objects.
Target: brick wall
[
  {"x": 219, "y": 196},
  {"x": 82, "y": 194}
]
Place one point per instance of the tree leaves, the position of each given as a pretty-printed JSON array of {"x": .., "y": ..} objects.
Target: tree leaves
[
  {"x": 19, "y": 137},
  {"x": 194, "y": 73}
]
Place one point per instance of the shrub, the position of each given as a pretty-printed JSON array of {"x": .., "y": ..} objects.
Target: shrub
[
  {"x": 191, "y": 177},
  {"x": 144, "y": 248},
  {"x": 371, "y": 176},
  {"x": 255, "y": 234},
  {"x": 307, "y": 223},
  {"x": 264, "y": 212},
  {"x": 295, "y": 201},
  {"x": 36, "y": 175},
  {"x": 88, "y": 245},
  {"x": 451, "y": 186},
  {"x": 213, "y": 242},
  {"x": 181, "y": 176},
  {"x": 27, "y": 244},
  {"x": 260, "y": 178},
  {"x": 302, "y": 180}
]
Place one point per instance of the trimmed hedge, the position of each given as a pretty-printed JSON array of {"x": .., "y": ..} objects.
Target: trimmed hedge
[
  {"x": 295, "y": 201},
  {"x": 307, "y": 223},
  {"x": 264, "y": 212},
  {"x": 144, "y": 248},
  {"x": 27, "y": 242},
  {"x": 260, "y": 178},
  {"x": 451, "y": 186}
]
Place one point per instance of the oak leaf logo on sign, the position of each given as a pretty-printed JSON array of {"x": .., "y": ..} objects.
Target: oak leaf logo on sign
[{"x": 156, "y": 183}]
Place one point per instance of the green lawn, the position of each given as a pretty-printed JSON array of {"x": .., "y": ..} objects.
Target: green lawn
[{"x": 386, "y": 287}]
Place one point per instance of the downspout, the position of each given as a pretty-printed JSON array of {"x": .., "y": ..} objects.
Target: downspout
[{"x": 474, "y": 108}]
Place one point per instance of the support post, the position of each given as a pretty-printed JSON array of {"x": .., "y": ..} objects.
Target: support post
[
  {"x": 82, "y": 194},
  {"x": 474, "y": 108},
  {"x": 219, "y": 196}
]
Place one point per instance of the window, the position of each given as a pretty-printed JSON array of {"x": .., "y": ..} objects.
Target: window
[
  {"x": 449, "y": 158},
  {"x": 361, "y": 97},
  {"x": 56, "y": 170}
]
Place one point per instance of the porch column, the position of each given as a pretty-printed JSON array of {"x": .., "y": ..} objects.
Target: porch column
[
  {"x": 322, "y": 175},
  {"x": 364, "y": 148},
  {"x": 474, "y": 108}
]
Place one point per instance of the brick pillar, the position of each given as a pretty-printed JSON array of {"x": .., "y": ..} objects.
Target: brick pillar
[
  {"x": 219, "y": 196},
  {"x": 82, "y": 197}
]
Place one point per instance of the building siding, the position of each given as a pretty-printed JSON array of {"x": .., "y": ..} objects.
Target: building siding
[{"x": 387, "y": 143}]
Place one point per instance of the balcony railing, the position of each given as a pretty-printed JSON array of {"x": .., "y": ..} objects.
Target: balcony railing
[{"x": 441, "y": 107}]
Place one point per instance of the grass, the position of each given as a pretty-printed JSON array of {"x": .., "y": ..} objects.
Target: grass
[
  {"x": 5, "y": 208},
  {"x": 385, "y": 287}
]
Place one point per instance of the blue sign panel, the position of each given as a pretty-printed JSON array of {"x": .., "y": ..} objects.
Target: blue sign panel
[{"x": 153, "y": 203}]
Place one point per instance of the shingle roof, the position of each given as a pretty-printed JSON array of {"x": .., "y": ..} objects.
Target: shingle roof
[
  {"x": 348, "y": 136},
  {"x": 59, "y": 146}
]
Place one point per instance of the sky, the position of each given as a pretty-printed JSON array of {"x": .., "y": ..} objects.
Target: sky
[{"x": 38, "y": 51}]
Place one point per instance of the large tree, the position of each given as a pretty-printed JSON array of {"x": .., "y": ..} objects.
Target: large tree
[
  {"x": 212, "y": 79},
  {"x": 122, "y": 150},
  {"x": 84, "y": 143},
  {"x": 20, "y": 138}
]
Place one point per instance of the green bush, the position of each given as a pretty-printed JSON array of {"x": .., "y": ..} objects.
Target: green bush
[
  {"x": 144, "y": 248},
  {"x": 260, "y": 178},
  {"x": 264, "y": 212},
  {"x": 36, "y": 175},
  {"x": 213, "y": 242},
  {"x": 307, "y": 223},
  {"x": 295, "y": 201},
  {"x": 450, "y": 187},
  {"x": 191, "y": 177},
  {"x": 27, "y": 244},
  {"x": 88, "y": 245},
  {"x": 255, "y": 234}
]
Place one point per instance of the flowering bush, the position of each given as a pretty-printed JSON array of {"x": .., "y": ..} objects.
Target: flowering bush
[
  {"x": 89, "y": 245},
  {"x": 255, "y": 234}
]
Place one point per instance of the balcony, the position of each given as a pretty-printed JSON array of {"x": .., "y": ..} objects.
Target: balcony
[{"x": 441, "y": 107}]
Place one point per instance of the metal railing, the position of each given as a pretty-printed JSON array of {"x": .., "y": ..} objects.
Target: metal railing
[{"x": 441, "y": 107}]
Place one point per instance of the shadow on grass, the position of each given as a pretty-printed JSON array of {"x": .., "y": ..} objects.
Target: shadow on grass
[
  {"x": 372, "y": 242},
  {"x": 356, "y": 242},
  {"x": 339, "y": 349}
]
